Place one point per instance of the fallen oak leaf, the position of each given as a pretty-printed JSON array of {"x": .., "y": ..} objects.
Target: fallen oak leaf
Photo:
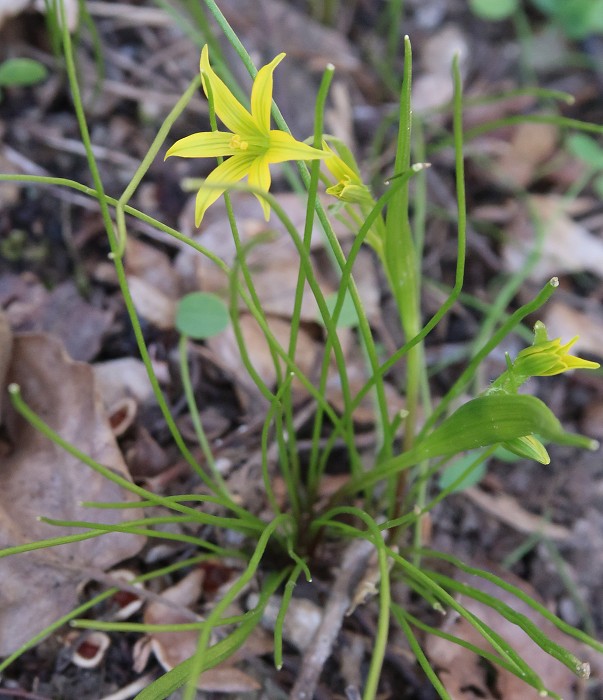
[{"x": 40, "y": 478}]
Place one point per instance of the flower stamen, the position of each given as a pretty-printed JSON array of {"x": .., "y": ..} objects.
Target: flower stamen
[{"x": 237, "y": 143}]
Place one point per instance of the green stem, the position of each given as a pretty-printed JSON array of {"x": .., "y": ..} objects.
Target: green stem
[
  {"x": 460, "y": 262},
  {"x": 401, "y": 270},
  {"x": 220, "y": 484},
  {"x": 148, "y": 160},
  {"x": 115, "y": 253}
]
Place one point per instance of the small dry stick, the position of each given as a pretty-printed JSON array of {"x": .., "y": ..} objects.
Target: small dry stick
[{"x": 352, "y": 568}]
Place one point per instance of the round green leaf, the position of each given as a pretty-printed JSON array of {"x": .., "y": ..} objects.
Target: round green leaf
[
  {"x": 201, "y": 315},
  {"x": 493, "y": 10},
  {"x": 21, "y": 71},
  {"x": 348, "y": 318},
  {"x": 456, "y": 469},
  {"x": 586, "y": 149}
]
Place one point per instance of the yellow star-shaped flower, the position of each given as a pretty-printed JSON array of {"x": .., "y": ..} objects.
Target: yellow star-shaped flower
[
  {"x": 250, "y": 144},
  {"x": 545, "y": 357}
]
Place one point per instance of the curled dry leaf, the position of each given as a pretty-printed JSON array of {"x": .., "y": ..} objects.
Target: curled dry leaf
[
  {"x": 122, "y": 378},
  {"x": 368, "y": 586},
  {"x": 89, "y": 649},
  {"x": 126, "y": 602},
  {"x": 172, "y": 648},
  {"x": 41, "y": 479},
  {"x": 121, "y": 415}
]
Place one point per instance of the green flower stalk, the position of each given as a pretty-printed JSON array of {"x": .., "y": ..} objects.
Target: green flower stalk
[{"x": 250, "y": 145}]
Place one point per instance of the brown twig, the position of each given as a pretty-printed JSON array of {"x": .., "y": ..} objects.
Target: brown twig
[{"x": 352, "y": 567}]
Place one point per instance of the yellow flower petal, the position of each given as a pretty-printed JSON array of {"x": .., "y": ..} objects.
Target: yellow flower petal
[
  {"x": 230, "y": 111},
  {"x": 340, "y": 170},
  {"x": 230, "y": 171},
  {"x": 284, "y": 147},
  {"x": 203, "y": 145},
  {"x": 261, "y": 94},
  {"x": 259, "y": 176}
]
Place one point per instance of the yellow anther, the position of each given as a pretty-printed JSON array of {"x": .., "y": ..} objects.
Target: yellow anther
[{"x": 237, "y": 143}]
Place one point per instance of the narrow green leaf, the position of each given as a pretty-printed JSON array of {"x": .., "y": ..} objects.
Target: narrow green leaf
[{"x": 496, "y": 418}]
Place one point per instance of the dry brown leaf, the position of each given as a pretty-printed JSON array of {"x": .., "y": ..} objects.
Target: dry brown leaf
[
  {"x": 568, "y": 246},
  {"x": 153, "y": 266},
  {"x": 172, "y": 648},
  {"x": 461, "y": 672},
  {"x": 227, "y": 679},
  {"x": 562, "y": 321},
  {"x": 151, "y": 303},
  {"x": 283, "y": 26},
  {"x": 434, "y": 86},
  {"x": 530, "y": 146},
  {"x": 509, "y": 511},
  {"x": 272, "y": 259},
  {"x": 41, "y": 479},
  {"x": 227, "y": 356},
  {"x": 122, "y": 378},
  {"x": 62, "y": 312},
  {"x": 12, "y": 8}
]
